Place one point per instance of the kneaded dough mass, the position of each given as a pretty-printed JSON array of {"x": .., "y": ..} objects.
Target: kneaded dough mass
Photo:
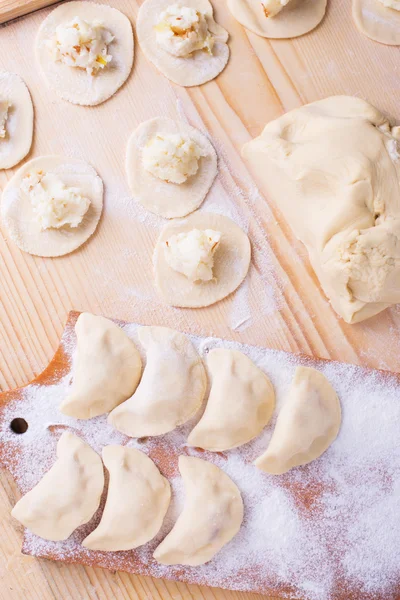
[
  {"x": 67, "y": 496},
  {"x": 231, "y": 262},
  {"x": 200, "y": 66},
  {"x": 19, "y": 219},
  {"x": 377, "y": 21},
  {"x": 333, "y": 168},
  {"x": 18, "y": 127},
  {"x": 296, "y": 18},
  {"x": 307, "y": 424},
  {"x": 75, "y": 84},
  {"x": 211, "y": 517},
  {"x": 137, "y": 501},
  {"x": 166, "y": 199}
]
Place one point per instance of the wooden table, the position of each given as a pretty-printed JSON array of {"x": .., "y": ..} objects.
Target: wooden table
[{"x": 282, "y": 305}]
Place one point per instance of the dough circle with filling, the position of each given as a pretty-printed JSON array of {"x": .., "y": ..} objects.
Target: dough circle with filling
[
  {"x": 377, "y": 21},
  {"x": 231, "y": 262},
  {"x": 18, "y": 217},
  {"x": 296, "y": 18},
  {"x": 161, "y": 197},
  {"x": 72, "y": 83},
  {"x": 186, "y": 71},
  {"x": 19, "y": 124}
]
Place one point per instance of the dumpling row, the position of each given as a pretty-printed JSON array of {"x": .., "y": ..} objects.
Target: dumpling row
[
  {"x": 138, "y": 498},
  {"x": 173, "y": 386}
]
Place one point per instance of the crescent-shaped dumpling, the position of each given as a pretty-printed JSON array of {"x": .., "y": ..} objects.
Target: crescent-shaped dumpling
[
  {"x": 172, "y": 388},
  {"x": 107, "y": 369},
  {"x": 67, "y": 496},
  {"x": 307, "y": 424},
  {"x": 137, "y": 501},
  {"x": 211, "y": 517},
  {"x": 240, "y": 405}
]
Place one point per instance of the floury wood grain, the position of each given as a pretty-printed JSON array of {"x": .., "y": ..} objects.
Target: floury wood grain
[{"x": 282, "y": 305}]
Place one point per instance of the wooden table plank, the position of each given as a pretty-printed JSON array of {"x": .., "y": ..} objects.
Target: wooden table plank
[
  {"x": 282, "y": 301},
  {"x": 12, "y": 9}
]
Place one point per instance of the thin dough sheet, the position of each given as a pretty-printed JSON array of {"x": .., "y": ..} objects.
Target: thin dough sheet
[{"x": 19, "y": 125}]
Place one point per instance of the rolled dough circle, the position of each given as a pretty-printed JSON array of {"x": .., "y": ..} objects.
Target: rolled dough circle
[
  {"x": 295, "y": 19},
  {"x": 17, "y": 214},
  {"x": 377, "y": 21},
  {"x": 74, "y": 84},
  {"x": 166, "y": 199},
  {"x": 19, "y": 125},
  {"x": 231, "y": 262},
  {"x": 193, "y": 70}
]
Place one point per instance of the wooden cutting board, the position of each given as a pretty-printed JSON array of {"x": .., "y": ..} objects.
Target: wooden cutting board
[
  {"x": 298, "y": 532},
  {"x": 281, "y": 306}
]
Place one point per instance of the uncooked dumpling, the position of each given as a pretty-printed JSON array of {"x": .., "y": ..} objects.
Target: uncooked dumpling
[
  {"x": 337, "y": 161},
  {"x": 67, "y": 496},
  {"x": 307, "y": 424},
  {"x": 378, "y": 20},
  {"x": 278, "y": 18},
  {"x": 181, "y": 253},
  {"x": 240, "y": 405},
  {"x": 211, "y": 517},
  {"x": 182, "y": 40},
  {"x": 172, "y": 388},
  {"x": 16, "y": 120},
  {"x": 137, "y": 501},
  {"x": 107, "y": 369},
  {"x": 85, "y": 51},
  {"x": 52, "y": 205},
  {"x": 159, "y": 155}
]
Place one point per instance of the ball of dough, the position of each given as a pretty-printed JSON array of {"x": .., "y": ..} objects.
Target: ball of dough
[
  {"x": 295, "y": 18},
  {"x": 21, "y": 221},
  {"x": 161, "y": 197},
  {"x": 16, "y": 120},
  {"x": 231, "y": 262},
  {"x": 76, "y": 84},
  {"x": 194, "y": 69}
]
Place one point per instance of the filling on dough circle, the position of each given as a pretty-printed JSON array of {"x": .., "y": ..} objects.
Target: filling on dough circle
[
  {"x": 85, "y": 51},
  {"x": 183, "y": 40},
  {"x": 172, "y": 157},
  {"x": 200, "y": 260},
  {"x": 52, "y": 205},
  {"x": 273, "y": 7},
  {"x": 16, "y": 120},
  {"x": 170, "y": 167},
  {"x": 181, "y": 30},
  {"x": 81, "y": 44}
]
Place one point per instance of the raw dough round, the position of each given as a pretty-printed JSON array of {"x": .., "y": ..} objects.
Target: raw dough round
[
  {"x": 296, "y": 18},
  {"x": 377, "y": 21},
  {"x": 169, "y": 200},
  {"x": 231, "y": 262},
  {"x": 17, "y": 215},
  {"x": 193, "y": 70},
  {"x": 74, "y": 84},
  {"x": 19, "y": 125}
]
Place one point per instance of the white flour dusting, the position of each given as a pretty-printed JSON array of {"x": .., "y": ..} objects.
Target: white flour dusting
[{"x": 328, "y": 530}]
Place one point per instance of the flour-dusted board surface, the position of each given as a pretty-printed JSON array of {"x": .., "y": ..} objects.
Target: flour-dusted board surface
[
  {"x": 279, "y": 306},
  {"x": 311, "y": 533}
]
